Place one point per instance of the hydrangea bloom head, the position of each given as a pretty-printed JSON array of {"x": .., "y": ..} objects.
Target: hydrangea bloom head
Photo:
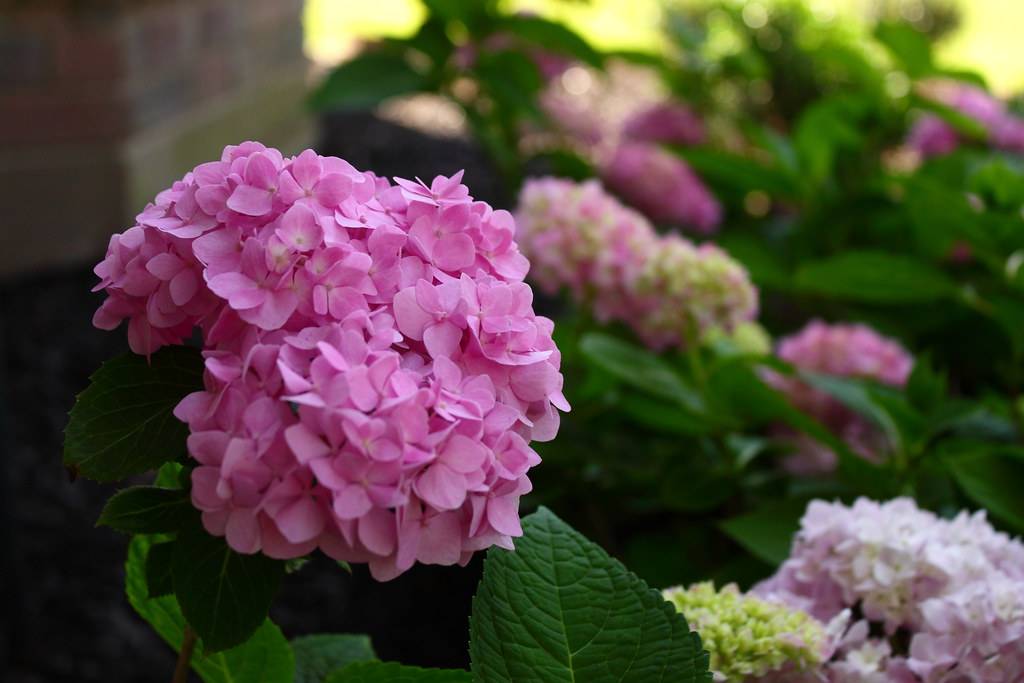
[
  {"x": 579, "y": 237},
  {"x": 717, "y": 291},
  {"x": 670, "y": 122},
  {"x": 932, "y": 136},
  {"x": 749, "y": 637},
  {"x": 374, "y": 369},
  {"x": 955, "y": 586},
  {"x": 842, "y": 350},
  {"x": 662, "y": 186},
  {"x": 669, "y": 290}
]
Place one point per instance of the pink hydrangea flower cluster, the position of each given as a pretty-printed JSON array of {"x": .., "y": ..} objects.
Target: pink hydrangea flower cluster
[
  {"x": 662, "y": 186},
  {"x": 955, "y": 586},
  {"x": 932, "y": 136},
  {"x": 620, "y": 131},
  {"x": 842, "y": 350},
  {"x": 610, "y": 257},
  {"x": 668, "y": 121},
  {"x": 374, "y": 369}
]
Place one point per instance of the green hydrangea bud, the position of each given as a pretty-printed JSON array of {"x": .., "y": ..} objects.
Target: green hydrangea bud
[
  {"x": 749, "y": 637},
  {"x": 746, "y": 339}
]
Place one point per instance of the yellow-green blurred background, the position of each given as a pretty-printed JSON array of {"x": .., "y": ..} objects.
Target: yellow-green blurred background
[{"x": 988, "y": 39}]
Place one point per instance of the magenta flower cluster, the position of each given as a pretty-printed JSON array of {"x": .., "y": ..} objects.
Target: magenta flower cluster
[
  {"x": 841, "y": 350},
  {"x": 933, "y": 136},
  {"x": 374, "y": 369},
  {"x": 942, "y": 600},
  {"x": 662, "y": 186},
  {"x": 608, "y": 256}
]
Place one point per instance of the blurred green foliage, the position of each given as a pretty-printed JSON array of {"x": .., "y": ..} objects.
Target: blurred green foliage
[{"x": 671, "y": 460}]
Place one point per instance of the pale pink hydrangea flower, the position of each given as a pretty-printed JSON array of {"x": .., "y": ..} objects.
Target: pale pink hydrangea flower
[
  {"x": 610, "y": 258},
  {"x": 932, "y": 136},
  {"x": 581, "y": 238},
  {"x": 374, "y": 369},
  {"x": 954, "y": 587},
  {"x": 841, "y": 350},
  {"x": 716, "y": 290}
]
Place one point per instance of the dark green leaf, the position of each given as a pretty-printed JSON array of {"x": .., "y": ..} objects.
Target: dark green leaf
[
  {"x": 826, "y": 128},
  {"x": 264, "y": 658},
  {"x": 639, "y": 368},
  {"x": 550, "y": 35},
  {"x": 392, "y": 672},
  {"x": 147, "y": 510},
  {"x": 994, "y": 479},
  {"x": 663, "y": 416},
  {"x": 740, "y": 391},
  {"x": 565, "y": 164},
  {"x": 875, "y": 277},
  {"x": 560, "y": 609},
  {"x": 854, "y": 394},
  {"x": 159, "y": 579},
  {"x": 511, "y": 78},
  {"x": 224, "y": 595},
  {"x": 926, "y": 387},
  {"x": 768, "y": 532},
  {"x": 319, "y": 655},
  {"x": 366, "y": 81},
  {"x": 123, "y": 423},
  {"x": 910, "y": 48},
  {"x": 738, "y": 173}
]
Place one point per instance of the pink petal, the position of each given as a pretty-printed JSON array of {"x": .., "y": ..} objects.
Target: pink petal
[
  {"x": 204, "y": 489},
  {"x": 454, "y": 252},
  {"x": 239, "y": 291},
  {"x": 243, "y": 531},
  {"x": 300, "y": 229},
  {"x": 503, "y": 515},
  {"x": 251, "y": 201},
  {"x": 463, "y": 454},
  {"x": 441, "y": 540},
  {"x": 441, "y": 487},
  {"x": 442, "y": 340},
  {"x": 409, "y": 317},
  {"x": 306, "y": 169},
  {"x": 184, "y": 286},
  {"x": 277, "y": 307},
  {"x": 326, "y": 475},
  {"x": 305, "y": 444},
  {"x": 378, "y": 531},
  {"x": 165, "y": 266},
  {"x": 352, "y": 502},
  {"x": 261, "y": 171},
  {"x": 301, "y": 521},
  {"x": 333, "y": 189}
]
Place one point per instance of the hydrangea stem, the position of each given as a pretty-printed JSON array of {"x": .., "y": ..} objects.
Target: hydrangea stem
[{"x": 188, "y": 645}]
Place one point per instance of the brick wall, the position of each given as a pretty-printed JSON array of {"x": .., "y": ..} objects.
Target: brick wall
[{"x": 104, "y": 102}]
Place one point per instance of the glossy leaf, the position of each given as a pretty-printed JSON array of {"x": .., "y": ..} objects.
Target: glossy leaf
[
  {"x": 123, "y": 423},
  {"x": 560, "y": 609},
  {"x": 224, "y": 595}
]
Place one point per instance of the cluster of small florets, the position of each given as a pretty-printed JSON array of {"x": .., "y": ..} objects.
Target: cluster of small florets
[
  {"x": 374, "y": 369},
  {"x": 933, "y": 136},
  {"x": 954, "y": 587},
  {"x": 622, "y": 132},
  {"x": 717, "y": 290},
  {"x": 748, "y": 637},
  {"x": 841, "y": 350},
  {"x": 662, "y": 186},
  {"x": 669, "y": 290}
]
